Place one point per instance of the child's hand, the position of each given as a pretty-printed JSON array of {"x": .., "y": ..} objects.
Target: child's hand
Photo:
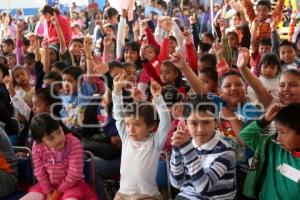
[
  {"x": 56, "y": 195},
  {"x": 20, "y": 27},
  {"x": 155, "y": 89},
  {"x": 48, "y": 196},
  {"x": 136, "y": 94},
  {"x": 8, "y": 83},
  {"x": 136, "y": 26},
  {"x": 218, "y": 49},
  {"x": 54, "y": 19},
  {"x": 167, "y": 24},
  {"x": 222, "y": 25},
  {"x": 181, "y": 135},
  {"x": 124, "y": 13},
  {"x": 178, "y": 60},
  {"x": 88, "y": 42},
  {"x": 243, "y": 58},
  {"x": 119, "y": 82},
  {"x": 188, "y": 38},
  {"x": 272, "y": 112}
]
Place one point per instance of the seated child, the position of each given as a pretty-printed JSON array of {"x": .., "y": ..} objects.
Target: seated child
[
  {"x": 276, "y": 174},
  {"x": 58, "y": 163},
  {"x": 140, "y": 148},
  {"x": 8, "y": 166},
  {"x": 202, "y": 167}
]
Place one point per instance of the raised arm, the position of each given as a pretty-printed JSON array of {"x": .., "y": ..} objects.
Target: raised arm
[
  {"x": 19, "y": 44},
  {"x": 250, "y": 13},
  {"x": 121, "y": 35},
  {"x": 62, "y": 42},
  {"x": 260, "y": 90}
]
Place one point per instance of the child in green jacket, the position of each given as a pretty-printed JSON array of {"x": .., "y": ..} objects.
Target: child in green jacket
[{"x": 276, "y": 174}]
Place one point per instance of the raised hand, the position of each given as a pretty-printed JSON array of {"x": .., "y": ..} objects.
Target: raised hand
[
  {"x": 218, "y": 49},
  {"x": 243, "y": 58},
  {"x": 155, "y": 89},
  {"x": 167, "y": 24},
  {"x": 181, "y": 135},
  {"x": 178, "y": 60},
  {"x": 188, "y": 37},
  {"x": 88, "y": 42},
  {"x": 54, "y": 19},
  {"x": 136, "y": 94},
  {"x": 272, "y": 112},
  {"x": 119, "y": 82},
  {"x": 222, "y": 25}
]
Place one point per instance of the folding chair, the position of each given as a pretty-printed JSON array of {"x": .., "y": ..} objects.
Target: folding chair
[
  {"x": 89, "y": 169},
  {"x": 25, "y": 172},
  {"x": 162, "y": 177}
]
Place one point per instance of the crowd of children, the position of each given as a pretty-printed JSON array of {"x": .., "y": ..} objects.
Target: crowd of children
[{"x": 217, "y": 90}]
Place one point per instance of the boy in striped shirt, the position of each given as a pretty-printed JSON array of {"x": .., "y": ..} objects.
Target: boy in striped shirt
[{"x": 202, "y": 167}]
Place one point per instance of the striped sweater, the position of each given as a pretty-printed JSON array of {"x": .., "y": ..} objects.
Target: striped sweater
[
  {"x": 58, "y": 169},
  {"x": 204, "y": 172}
]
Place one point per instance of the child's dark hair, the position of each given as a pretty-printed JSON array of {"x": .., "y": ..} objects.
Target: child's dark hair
[
  {"x": 229, "y": 73},
  {"x": 9, "y": 42},
  {"x": 129, "y": 64},
  {"x": 171, "y": 37},
  {"x": 211, "y": 59},
  {"x": 134, "y": 46},
  {"x": 142, "y": 109},
  {"x": 266, "y": 3},
  {"x": 289, "y": 116},
  {"x": 60, "y": 65},
  {"x": 75, "y": 72},
  {"x": 26, "y": 42},
  {"x": 43, "y": 125},
  {"x": 287, "y": 43},
  {"x": 3, "y": 58},
  {"x": 110, "y": 12},
  {"x": 156, "y": 50},
  {"x": 53, "y": 75},
  {"x": 270, "y": 59},
  {"x": 294, "y": 72},
  {"x": 29, "y": 57},
  {"x": 45, "y": 94},
  {"x": 48, "y": 9},
  {"x": 171, "y": 95},
  {"x": 209, "y": 35},
  {"x": 211, "y": 73},
  {"x": 204, "y": 47},
  {"x": 265, "y": 42},
  {"x": 79, "y": 40},
  {"x": 198, "y": 103},
  {"x": 4, "y": 70},
  {"x": 234, "y": 34},
  {"x": 115, "y": 64}
]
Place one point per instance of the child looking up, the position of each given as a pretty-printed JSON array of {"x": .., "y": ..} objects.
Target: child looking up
[{"x": 140, "y": 148}]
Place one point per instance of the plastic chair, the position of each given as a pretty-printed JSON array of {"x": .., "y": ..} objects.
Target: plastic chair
[
  {"x": 162, "y": 177},
  {"x": 89, "y": 169}
]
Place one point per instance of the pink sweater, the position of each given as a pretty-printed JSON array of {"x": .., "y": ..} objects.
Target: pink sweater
[{"x": 60, "y": 169}]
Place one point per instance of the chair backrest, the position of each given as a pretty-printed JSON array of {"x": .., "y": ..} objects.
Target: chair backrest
[
  {"x": 162, "y": 177},
  {"x": 89, "y": 169},
  {"x": 25, "y": 165}
]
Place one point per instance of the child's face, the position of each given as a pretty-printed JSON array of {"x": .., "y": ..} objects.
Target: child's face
[
  {"x": 21, "y": 77},
  {"x": 7, "y": 48},
  {"x": 131, "y": 75},
  {"x": 287, "y": 54},
  {"x": 172, "y": 46},
  {"x": 264, "y": 49},
  {"x": 167, "y": 75},
  {"x": 150, "y": 53},
  {"x": 56, "y": 140},
  {"x": 287, "y": 138},
  {"x": 69, "y": 84},
  {"x": 117, "y": 70},
  {"x": 76, "y": 48},
  {"x": 109, "y": 31},
  {"x": 131, "y": 56},
  {"x": 39, "y": 105},
  {"x": 289, "y": 89},
  {"x": 52, "y": 55},
  {"x": 233, "y": 41},
  {"x": 206, "y": 39},
  {"x": 208, "y": 83},
  {"x": 233, "y": 90},
  {"x": 262, "y": 12},
  {"x": 136, "y": 128},
  {"x": 269, "y": 71},
  {"x": 11, "y": 61},
  {"x": 201, "y": 126}
]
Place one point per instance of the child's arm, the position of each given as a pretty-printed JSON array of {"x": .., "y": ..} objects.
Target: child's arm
[
  {"x": 260, "y": 90},
  {"x": 159, "y": 32},
  {"x": 19, "y": 45},
  {"x": 148, "y": 67},
  {"x": 179, "y": 37},
  {"x": 275, "y": 38},
  {"x": 62, "y": 42},
  {"x": 164, "y": 50},
  {"x": 191, "y": 77},
  {"x": 118, "y": 107},
  {"x": 177, "y": 175},
  {"x": 227, "y": 54},
  {"x": 277, "y": 13},
  {"x": 222, "y": 66},
  {"x": 46, "y": 57},
  {"x": 250, "y": 13},
  {"x": 253, "y": 42},
  {"x": 16, "y": 99},
  {"x": 39, "y": 169},
  {"x": 121, "y": 35},
  {"x": 251, "y": 134},
  {"x": 190, "y": 51},
  {"x": 150, "y": 38},
  {"x": 75, "y": 165},
  {"x": 163, "y": 114}
]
